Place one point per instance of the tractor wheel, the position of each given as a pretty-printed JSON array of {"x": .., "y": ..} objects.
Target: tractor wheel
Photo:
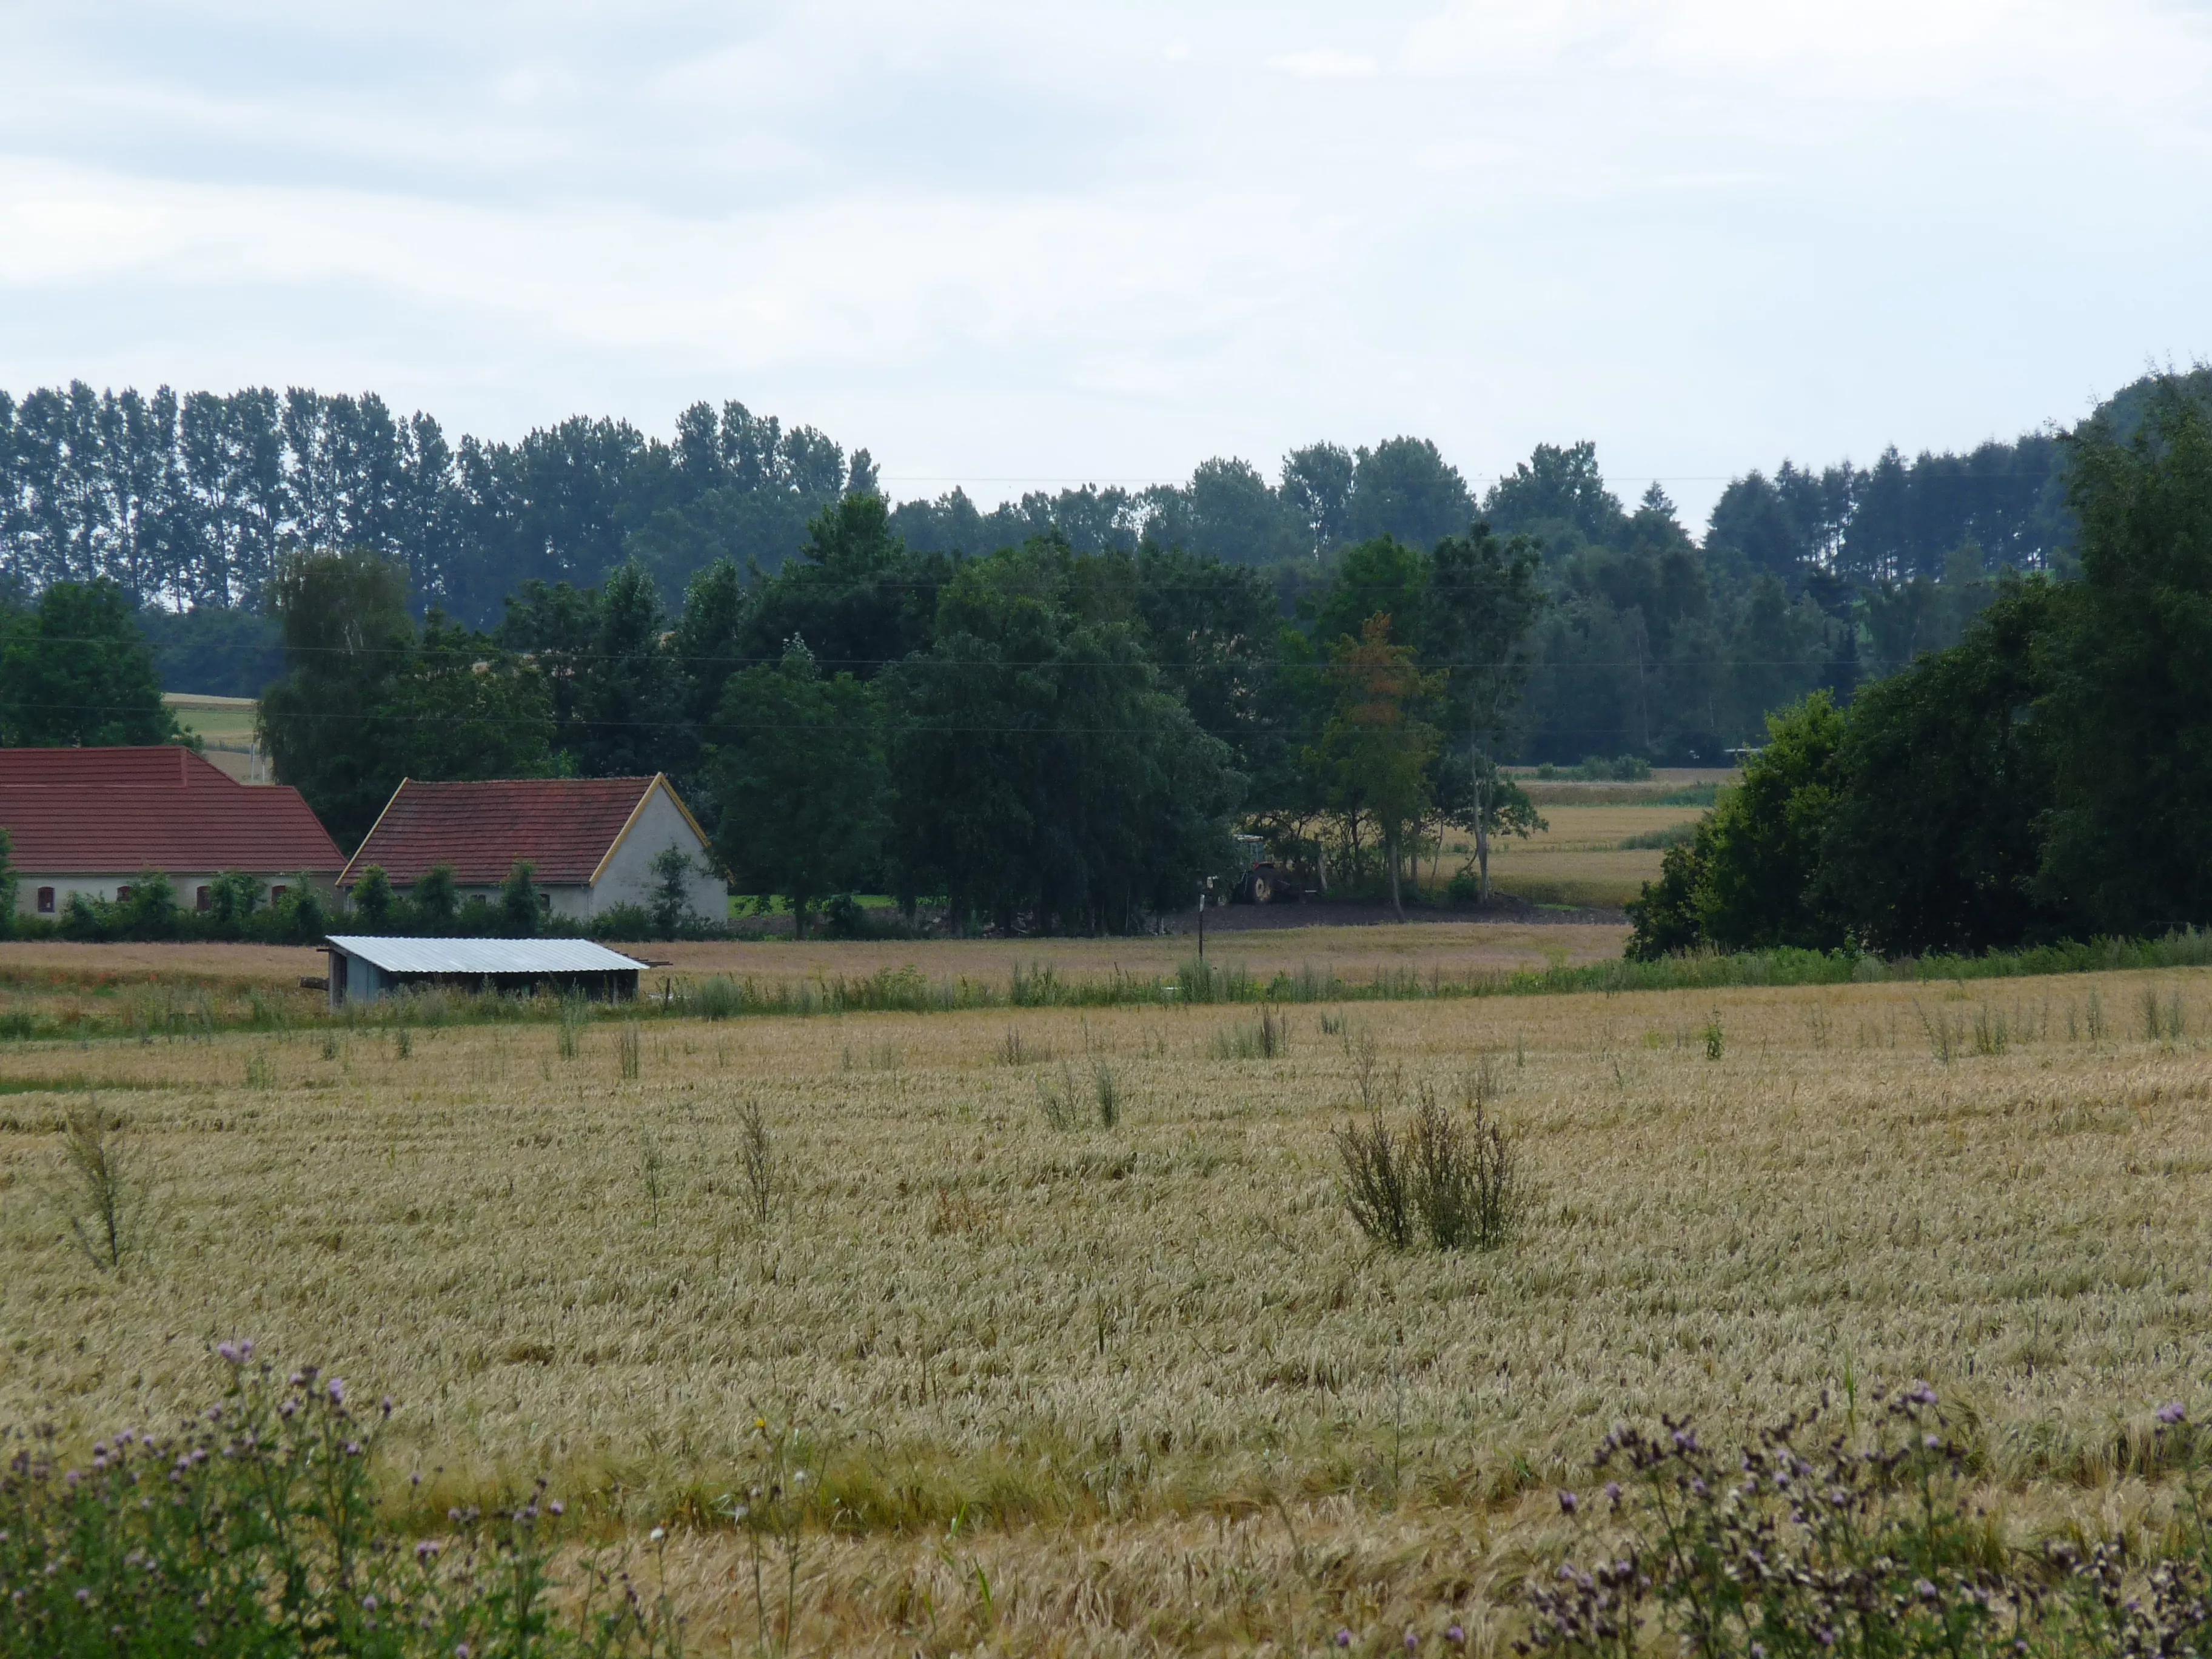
[{"x": 1263, "y": 888}]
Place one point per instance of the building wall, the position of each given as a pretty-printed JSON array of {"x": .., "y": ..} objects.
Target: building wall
[
  {"x": 572, "y": 900},
  {"x": 628, "y": 877},
  {"x": 103, "y": 887}
]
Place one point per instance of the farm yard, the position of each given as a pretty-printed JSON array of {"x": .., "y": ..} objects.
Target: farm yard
[{"x": 1061, "y": 1309}]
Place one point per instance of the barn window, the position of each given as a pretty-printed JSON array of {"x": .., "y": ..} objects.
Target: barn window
[
  {"x": 46, "y": 901},
  {"x": 203, "y": 898},
  {"x": 276, "y": 896},
  {"x": 121, "y": 894}
]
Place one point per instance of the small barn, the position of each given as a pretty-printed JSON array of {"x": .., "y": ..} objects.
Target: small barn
[
  {"x": 592, "y": 842},
  {"x": 366, "y": 970}
]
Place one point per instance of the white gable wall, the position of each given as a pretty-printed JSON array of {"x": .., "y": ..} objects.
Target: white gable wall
[{"x": 627, "y": 878}]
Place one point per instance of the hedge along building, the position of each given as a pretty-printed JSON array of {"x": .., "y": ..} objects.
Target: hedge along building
[
  {"x": 94, "y": 821},
  {"x": 590, "y": 843}
]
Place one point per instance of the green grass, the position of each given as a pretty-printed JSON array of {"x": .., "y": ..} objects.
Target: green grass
[{"x": 1674, "y": 834}]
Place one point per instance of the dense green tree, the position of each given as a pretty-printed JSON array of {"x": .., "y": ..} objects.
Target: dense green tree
[
  {"x": 798, "y": 758},
  {"x": 854, "y": 594},
  {"x": 375, "y": 903},
  {"x": 519, "y": 912},
  {"x": 435, "y": 901},
  {"x": 1404, "y": 488},
  {"x": 1557, "y": 491},
  {"x": 2128, "y": 718},
  {"x": 1482, "y": 603},
  {"x": 629, "y": 692},
  {"x": 1762, "y": 843},
  {"x": 346, "y": 636},
  {"x": 459, "y": 709},
  {"x": 1933, "y": 842},
  {"x": 1380, "y": 577},
  {"x": 1042, "y": 773},
  {"x": 366, "y": 703},
  {"x": 75, "y": 669},
  {"x": 1375, "y": 752}
]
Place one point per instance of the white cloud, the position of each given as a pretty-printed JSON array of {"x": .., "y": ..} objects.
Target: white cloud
[
  {"x": 990, "y": 240},
  {"x": 1322, "y": 64}
]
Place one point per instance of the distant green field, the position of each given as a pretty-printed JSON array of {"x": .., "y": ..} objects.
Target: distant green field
[{"x": 225, "y": 722}]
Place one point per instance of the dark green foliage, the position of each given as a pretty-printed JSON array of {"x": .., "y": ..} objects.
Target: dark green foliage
[
  {"x": 215, "y": 651},
  {"x": 629, "y": 695},
  {"x": 366, "y": 702},
  {"x": 77, "y": 671},
  {"x": 2048, "y": 775},
  {"x": 1765, "y": 834},
  {"x": 518, "y": 905},
  {"x": 435, "y": 904},
  {"x": 1933, "y": 844},
  {"x": 375, "y": 904},
  {"x": 1664, "y": 917},
  {"x": 798, "y": 759},
  {"x": 671, "y": 908},
  {"x": 2127, "y": 719},
  {"x": 1040, "y": 769},
  {"x": 269, "y": 1541}
]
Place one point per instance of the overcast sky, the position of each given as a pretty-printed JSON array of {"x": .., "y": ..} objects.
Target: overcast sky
[{"x": 1012, "y": 245}]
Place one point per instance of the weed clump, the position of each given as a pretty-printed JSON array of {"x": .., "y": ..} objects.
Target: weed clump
[
  {"x": 1454, "y": 1178},
  {"x": 1831, "y": 1537},
  {"x": 269, "y": 1538},
  {"x": 101, "y": 1194},
  {"x": 756, "y": 1161}
]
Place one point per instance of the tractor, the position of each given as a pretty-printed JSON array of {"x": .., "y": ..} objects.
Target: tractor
[{"x": 1257, "y": 878}]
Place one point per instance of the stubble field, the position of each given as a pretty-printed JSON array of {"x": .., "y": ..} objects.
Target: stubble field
[{"x": 1143, "y": 1387}]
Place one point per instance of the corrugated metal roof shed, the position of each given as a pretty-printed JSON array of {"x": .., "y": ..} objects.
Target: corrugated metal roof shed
[{"x": 485, "y": 956}]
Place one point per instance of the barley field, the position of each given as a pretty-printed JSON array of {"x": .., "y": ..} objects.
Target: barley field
[{"x": 1060, "y": 1314}]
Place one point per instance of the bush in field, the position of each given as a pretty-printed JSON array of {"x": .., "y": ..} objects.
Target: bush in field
[
  {"x": 1454, "y": 1178},
  {"x": 254, "y": 1530}
]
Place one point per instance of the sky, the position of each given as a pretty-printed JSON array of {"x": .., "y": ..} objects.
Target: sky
[{"x": 1011, "y": 246}]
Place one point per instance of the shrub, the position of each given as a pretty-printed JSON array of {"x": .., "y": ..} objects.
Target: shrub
[
  {"x": 373, "y": 901},
  {"x": 520, "y": 913},
  {"x": 268, "y": 1541},
  {"x": 1108, "y": 1092},
  {"x": 1466, "y": 1179},
  {"x": 1456, "y": 1179},
  {"x": 1377, "y": 1182}
]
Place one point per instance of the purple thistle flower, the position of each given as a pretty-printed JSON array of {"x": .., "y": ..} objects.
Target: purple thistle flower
[
  {"x": 1344, "y": 1638},
  {"x": 1612, "y": 1491},
  {"x": 2173, "y": 1414},
  {"x": 1455, "y": 1636},
  {"x": 337, "y": 1391},
  {"x": 1412, "y": 1642},
  {"x": 1567, "y": 1502}
]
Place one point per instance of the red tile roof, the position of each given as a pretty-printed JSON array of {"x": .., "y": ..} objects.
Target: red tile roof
[
  {"x": 562, "y": 826},
  {"x": 100, "y": 812}
]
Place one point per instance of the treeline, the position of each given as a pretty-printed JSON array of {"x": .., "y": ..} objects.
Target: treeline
[
  {"x": 2047, "y": 777},
  {"x": 1038, "y": 737},
  {"x": 1655, "y": 642}
]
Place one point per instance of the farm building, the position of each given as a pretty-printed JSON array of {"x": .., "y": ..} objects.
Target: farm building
[
  {"x": 591, "y": 841},
  {"x": 90, "y": 820},
  {"x": 369, "y": 970}
]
